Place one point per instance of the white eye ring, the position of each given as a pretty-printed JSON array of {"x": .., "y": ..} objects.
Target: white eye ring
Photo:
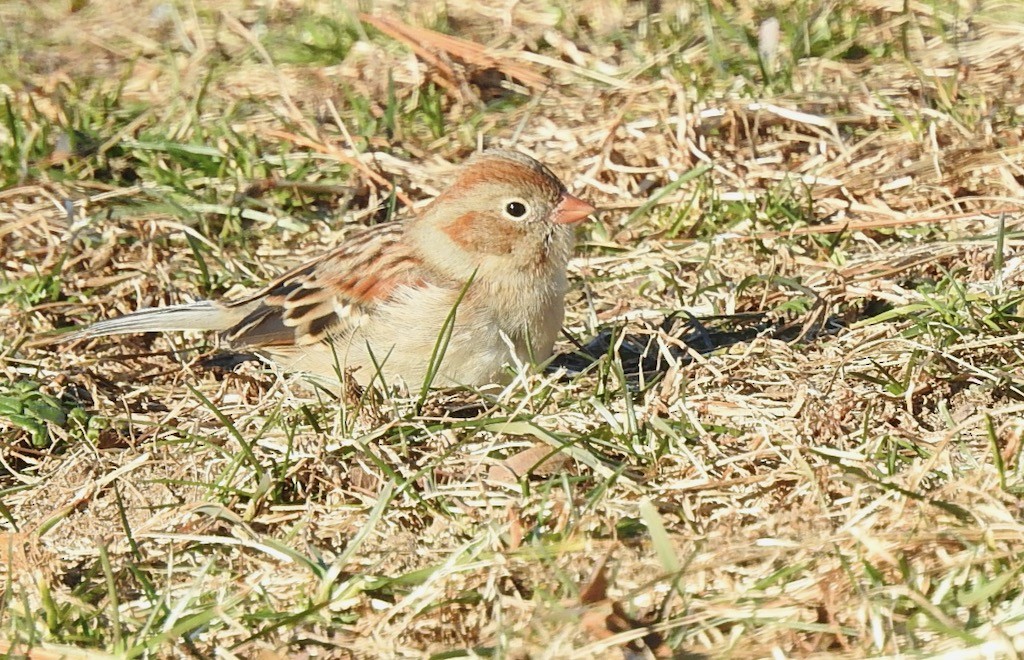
[{"x": 515, "y": 209}]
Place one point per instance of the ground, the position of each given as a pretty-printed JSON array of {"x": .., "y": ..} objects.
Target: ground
[{"x": 785, "y": 414}]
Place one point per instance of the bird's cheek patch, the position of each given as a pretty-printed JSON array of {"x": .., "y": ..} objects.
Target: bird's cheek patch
[{"x": 474, "y": 233}]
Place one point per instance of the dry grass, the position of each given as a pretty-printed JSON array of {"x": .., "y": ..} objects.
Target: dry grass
[{"x": 792, "y": 398}]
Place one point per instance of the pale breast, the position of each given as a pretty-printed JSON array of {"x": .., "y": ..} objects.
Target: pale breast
[{"x": 421, "y": 330}]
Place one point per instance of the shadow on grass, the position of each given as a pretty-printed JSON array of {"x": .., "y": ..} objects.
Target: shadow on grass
[{"x": 648, "y": 352}]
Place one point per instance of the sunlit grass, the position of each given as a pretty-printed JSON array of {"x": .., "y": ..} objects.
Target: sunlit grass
[{"x": 787, "y": 393}]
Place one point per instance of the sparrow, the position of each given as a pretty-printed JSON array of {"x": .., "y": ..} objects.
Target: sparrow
[{"x": 475, "y": 282}]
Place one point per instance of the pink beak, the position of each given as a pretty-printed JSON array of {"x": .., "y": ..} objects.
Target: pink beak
[{"x": 571, "y": 209}]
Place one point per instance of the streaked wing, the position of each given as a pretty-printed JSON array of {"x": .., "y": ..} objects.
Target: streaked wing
[{"x": 329, "y": 297}]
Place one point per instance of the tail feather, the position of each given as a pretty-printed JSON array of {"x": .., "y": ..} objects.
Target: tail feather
[{"x": 201, "y": 315}]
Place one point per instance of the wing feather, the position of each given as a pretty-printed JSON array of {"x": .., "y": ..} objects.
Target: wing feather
[{"x": 328, "y": 298}]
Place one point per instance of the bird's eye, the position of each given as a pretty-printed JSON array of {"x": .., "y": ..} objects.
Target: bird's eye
[{"x": 515, "y": 209}]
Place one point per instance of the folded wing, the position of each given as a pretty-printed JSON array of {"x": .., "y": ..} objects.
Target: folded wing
[{"x": 329, "y": 298}]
